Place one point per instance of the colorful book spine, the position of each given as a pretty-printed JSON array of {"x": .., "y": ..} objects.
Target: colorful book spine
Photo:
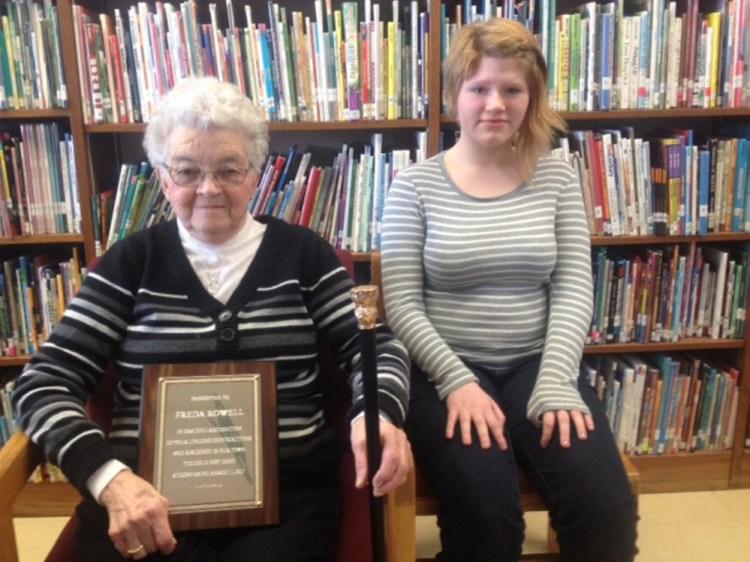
[{"x": 352, "y": 60}]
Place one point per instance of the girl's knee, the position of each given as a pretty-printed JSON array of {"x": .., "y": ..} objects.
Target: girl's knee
[{"x": 604, "y": 528}]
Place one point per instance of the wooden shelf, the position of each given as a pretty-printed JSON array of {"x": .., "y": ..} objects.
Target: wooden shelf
[
  {"x": 621, "y": 115},
  {"x": 31, "y": 114},
  {"x": 650, "y": 114},
  {"x": 399, "y": 124},
  {"x": 744, "y": 478},
  {"x": 687, "y": 344},
  {"x": 17, "y": 361},
  {"x": 683, "y": 472},
  {"x": 46, "y": 499},
  {"x": 42, "y": 239},
  {"x": 664, "y": 240},
  {"x": 275, "y": 127}
]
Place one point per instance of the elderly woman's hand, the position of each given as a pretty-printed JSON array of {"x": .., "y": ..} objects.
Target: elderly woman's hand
[
  {"x": 138, "y": 523},
  {"x": 396, "y": 459}
]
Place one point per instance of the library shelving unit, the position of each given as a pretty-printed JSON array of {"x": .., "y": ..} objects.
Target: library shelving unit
[
  {"x": 47, "y": 498},
  {"x": 101, "y": 148},
  {"x": 72, "y": 118},
  {"x": 691, "y": 471}
]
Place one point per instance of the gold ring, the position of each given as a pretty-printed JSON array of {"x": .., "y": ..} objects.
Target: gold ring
[{"x": 132, "y": 551}]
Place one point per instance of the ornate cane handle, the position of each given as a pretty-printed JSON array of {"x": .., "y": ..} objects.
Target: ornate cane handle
[{"x": 365, "y": 299}]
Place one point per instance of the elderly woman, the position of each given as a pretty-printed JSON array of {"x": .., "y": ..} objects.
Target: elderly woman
[{"x": 216, "y": 284}]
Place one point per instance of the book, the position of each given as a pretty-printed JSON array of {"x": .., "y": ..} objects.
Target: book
[
  {"x": 635, "y": 398},
  {"x": 320, "y": 205},
  {"x": 673, "y": 55},
  {"x": 311, "y": 192},
  {"x": 583, "y": 143},
  {"x": 666, "y": 159},
  {"x": 612, "y": 180},
  {"x": 714, "y": 27},
  {"x": 708, "y": 404},
  {"x": 269, "y": 187},
  {"x": 606, "y": 49},
  {"x": 669, "y": 369},
  {"x": 92, "y": 40},
  {"x": 719, "y": 259},
  {"x": 132, "y": 200},
  {"x": 624, "y": 420},
  {"x": 115, "y": 93},
  {"x": 674, "y": 431},
  {"x": 119, "y": 41},
  {"x": 352, "y": 58}
]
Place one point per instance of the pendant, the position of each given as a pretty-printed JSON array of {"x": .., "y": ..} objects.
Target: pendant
[{"x": 212, "y": 285}]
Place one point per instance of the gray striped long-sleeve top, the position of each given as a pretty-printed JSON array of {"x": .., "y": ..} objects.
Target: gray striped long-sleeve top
[
  {"x": 490, "y": 281},
  {"x": 144, "y": 304}
]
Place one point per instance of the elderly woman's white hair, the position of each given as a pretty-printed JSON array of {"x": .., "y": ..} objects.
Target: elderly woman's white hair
[{"x": 206, "y": 104}]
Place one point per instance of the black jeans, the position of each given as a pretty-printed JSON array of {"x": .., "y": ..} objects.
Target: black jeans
[
  {"x": 309, "y": 510},
  {"x": 585, "y": 486}
]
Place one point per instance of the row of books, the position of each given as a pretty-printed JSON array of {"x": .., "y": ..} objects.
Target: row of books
[
  {"x": 347, "y": 65},
  {"x": 135, "y": 203},
  {"x": 341, "y": 194},
  {"x": 338, "y": 193},
  {"x": 668, "y": 294},
  {"x": 342, "y": 64},
  {"x": 647, "y": 54},
  {"x": 8, "y": 419},
  {"x": 341, "y": 199},
  {"x": 31, "y": 68},
  {"x": 8, "y": 426},
  {"x": 665, "y": 184},
  {"x": 39, "y": 182},
  {"x": 667, "y": 403},
  {"x": 477, "y": 10},
  {"x": 34, "y": 292}
]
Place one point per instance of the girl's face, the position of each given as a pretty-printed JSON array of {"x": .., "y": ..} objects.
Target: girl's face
[
  {"x": 492, "y": 103},
  {"x": 212, "y": 211}
]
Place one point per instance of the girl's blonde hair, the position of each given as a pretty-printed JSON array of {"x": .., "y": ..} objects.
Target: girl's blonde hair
[{"x": 502, "y": 38}]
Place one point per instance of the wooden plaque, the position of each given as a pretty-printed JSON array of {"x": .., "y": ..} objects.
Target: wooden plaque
[{"x": 208, "y": 442}]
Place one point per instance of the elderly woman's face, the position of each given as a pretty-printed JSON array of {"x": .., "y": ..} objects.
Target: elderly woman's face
[{"x": 212, "y": 211}]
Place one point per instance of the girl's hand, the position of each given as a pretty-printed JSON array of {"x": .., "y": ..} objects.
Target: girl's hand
[
  {"x": 469, "y": 406},
  {"x": 583, "y": 423}
]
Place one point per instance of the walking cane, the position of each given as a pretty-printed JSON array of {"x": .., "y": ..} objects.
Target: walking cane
[{"x": 365, "y": 298}]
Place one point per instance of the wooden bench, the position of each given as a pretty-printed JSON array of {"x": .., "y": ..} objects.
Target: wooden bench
[{"x": 423, "y": 501}]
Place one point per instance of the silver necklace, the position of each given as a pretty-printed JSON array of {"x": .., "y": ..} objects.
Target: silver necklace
[{"x": 213, "y": 283}]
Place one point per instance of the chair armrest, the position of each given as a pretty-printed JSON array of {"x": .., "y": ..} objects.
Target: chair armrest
[
  {"x": 401, "y": 521},
  {"x": 18, "y": 459}
]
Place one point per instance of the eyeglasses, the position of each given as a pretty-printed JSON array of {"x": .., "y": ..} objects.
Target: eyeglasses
[{"x": 192, "y": 177}]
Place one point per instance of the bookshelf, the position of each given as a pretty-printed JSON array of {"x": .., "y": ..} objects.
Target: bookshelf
[
  {"x": 100, "y": 149},
  {"x": 68, "y": 116},
  {"x": 700, "y": 470}
]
